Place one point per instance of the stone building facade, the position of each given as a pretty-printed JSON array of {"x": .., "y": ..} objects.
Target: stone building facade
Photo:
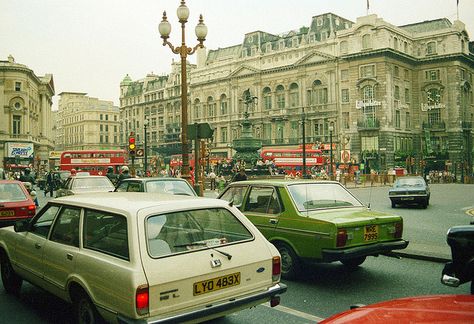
[
  {"x": 390, "y": 94},
  {"x": 25, "y": 117},
  {"x": 85, "y": 123}
]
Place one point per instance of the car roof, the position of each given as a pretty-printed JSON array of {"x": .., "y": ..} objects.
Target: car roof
[
  {"x": 154, "y": 179},
  {"x": 134, "y": 201},
  {"x": 282, "y": 182}
]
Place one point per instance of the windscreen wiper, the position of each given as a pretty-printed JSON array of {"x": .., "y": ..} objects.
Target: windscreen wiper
[{"x": 229, "y": 256}]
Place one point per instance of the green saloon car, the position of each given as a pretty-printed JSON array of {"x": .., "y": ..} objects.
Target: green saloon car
[{"x": 315, "y": 221}]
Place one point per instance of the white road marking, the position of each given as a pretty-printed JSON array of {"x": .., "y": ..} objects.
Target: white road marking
[{"x": 294, "y": 312}]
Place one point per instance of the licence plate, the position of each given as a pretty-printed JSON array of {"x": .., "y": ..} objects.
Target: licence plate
[
  {"x": 6, "y": 213},
  {"x": 214, "y": 284},
  {"x": 371, "y": 232}
]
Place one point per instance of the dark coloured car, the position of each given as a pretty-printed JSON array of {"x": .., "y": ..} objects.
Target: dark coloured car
[
  {"x": 315, "y": 221},
  {"x": 461, "y": 269},
  {"x": 420, "y": 309},
  {"x": 410, "y": 190},
  {"x": 15, "y": 202},
  {"x": 162, "y": 185}
]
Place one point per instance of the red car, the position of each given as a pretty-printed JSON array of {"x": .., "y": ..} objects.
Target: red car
[
  {"x": 422, "y": 309},
  {"x": 15, "y": 202}
]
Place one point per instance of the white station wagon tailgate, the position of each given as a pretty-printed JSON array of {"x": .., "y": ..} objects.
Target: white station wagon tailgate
[{"x": 196, "y": 258}]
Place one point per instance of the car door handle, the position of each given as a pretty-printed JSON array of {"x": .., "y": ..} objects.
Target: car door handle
[
  {"x": 273, "y": 221},
  {"x": 69, "y": 256},
  {"x": 37, "y": 245}
]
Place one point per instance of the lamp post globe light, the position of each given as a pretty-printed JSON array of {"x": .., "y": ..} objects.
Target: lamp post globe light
[
  {"x": 201, "y": 31},
  {"x": 331, "y": 129},
  {"x": 145, "y": 155}
]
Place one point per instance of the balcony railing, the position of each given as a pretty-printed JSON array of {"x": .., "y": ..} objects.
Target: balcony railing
[
  {"x": 441, "y": 125},
  {"x": 368, "y": 123}
]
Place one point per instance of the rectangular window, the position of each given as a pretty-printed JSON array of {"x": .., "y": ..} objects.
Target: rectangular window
[
  {"x": 66, "y": 228},
  {"x": 17, "y": 86},
  {"x": 106, "y": 117},
  {"x": 370, "y": 143},
  {"x": 397, "y": 118},
  {"x": 101, "y": 117},
  {"x": 224, "y": 108},
  {"x": 344, "y": 75},
  {"x": 106, "y": 233},
  {"x": 224, "y": 135},
  {"x": 407, "y": 120},
  {"x": 345, "y": 120},
  {"x": 396, "y": 71},
  {"x": 397, "y": 93},
  {"x": 16, "y": 127},
  {"x": 432, "y": 75},
  {"x": 345, "y": 95},
  {"x": 367, "y": 71},
  {"x": 407, "y": 95}
]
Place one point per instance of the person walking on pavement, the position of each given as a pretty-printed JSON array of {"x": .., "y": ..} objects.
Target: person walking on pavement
[
  {"x": 124, "y": 174},
  {"x": 50, "y": 184},
  {"x": 213, "y": 176},
  {"x": 111, "y": 175}
]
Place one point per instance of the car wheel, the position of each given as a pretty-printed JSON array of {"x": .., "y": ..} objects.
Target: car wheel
[
  {"x": 354, "y": 262},
  {"x": 11, "y": 281},
  {"x": 85, "y": 311},
  {"x": 290, "y": 263}
]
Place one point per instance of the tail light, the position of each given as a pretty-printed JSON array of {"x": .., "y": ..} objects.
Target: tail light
[
  {"x": 276, "y": 268},
  {"x": 398, "y": 230},
  {"x": 142, "y": 300},
  {"x": 341, "y": 238},
  {"x": 31, "y": 209}
]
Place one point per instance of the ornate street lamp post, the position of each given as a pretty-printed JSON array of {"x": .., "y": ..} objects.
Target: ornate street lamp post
[
  {"x": 201, "y": 32},
  {"x": 145, "y": 155}
]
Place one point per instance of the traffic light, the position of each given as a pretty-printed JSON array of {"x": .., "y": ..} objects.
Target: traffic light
[{"x": 132, "y": 148}]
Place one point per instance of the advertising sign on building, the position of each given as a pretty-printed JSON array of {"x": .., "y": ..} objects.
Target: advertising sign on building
[{"x": 20, "y": 150}]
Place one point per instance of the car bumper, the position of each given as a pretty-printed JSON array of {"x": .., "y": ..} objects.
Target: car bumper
[
  {"x": 207, "y": 311},
  {"x": 360, "y": 251}
]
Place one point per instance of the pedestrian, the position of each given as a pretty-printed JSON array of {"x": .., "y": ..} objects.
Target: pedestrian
[
  {"x": 111, "y": 175},
  {"x": 125, "y": 173},
  {"x": 221, "y": 183},
  {"x": 2, "y": 174},
  {"x": 50, "y": 184},
  {"x": 213, "y": 176},
  {"x": 241, "y": 176},
  {"x": 27, "y": 177}
]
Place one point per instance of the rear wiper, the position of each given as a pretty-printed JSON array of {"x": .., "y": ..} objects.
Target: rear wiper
[{"x": 206, "y": 245}]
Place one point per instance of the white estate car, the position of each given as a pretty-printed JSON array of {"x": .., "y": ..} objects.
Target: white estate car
[{"x": 135, "y": 257}]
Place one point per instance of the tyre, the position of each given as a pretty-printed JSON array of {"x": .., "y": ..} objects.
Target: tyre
[
  {"x": 85, "y": 311},
  {"x": 11, "y": 281},
  {"x": 353, "y": 263},
  {"x": 290, "y": 263}
]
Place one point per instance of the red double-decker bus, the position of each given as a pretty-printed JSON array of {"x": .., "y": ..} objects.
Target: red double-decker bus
[
  {"x": 292, "y": 159},
  {"x": 95, "y": 162}
]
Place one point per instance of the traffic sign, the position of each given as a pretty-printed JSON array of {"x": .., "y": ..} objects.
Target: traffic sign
[{"x": 140, "y": 152}]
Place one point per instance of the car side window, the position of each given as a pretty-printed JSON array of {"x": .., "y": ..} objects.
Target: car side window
[
  {"x": 42, "y": 224},
  {"x": 122, "y": 187},
  {"x": 66, "y": 227},
  {"x": 263, "y": 200},
  {"x": 134, "y": 187},
  {"x": 107, "y": 233},
  {"x": 235, "y": 194}
]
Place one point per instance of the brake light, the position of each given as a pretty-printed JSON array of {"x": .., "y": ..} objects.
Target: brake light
[
  {"x": 31, "y": 209},
  {"x": 398, "y": 230},
  {"x": 276, "y": 268},
  {"x": 341, "y": 238},
  {"x": 142, "y": 300}
]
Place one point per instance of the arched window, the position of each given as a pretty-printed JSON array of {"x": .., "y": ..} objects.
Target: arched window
[
  {"x": 197, "y": 109},
  {"x": 319, "y": 94},
  {"x": 280, "y": 97},
  {"x": 431, "y": 48},
  {"x": 343, "y": 47},
  {"x": 224, "y": 105},
  {"x": 368, "y": 109},
  {"x": 267, "y": 98},
  {"x": 366, "y": 41},
  {"x": 211, "y": 107},
  {"x": 294, "y": 95},
  {"x": 433, "y": 98}
]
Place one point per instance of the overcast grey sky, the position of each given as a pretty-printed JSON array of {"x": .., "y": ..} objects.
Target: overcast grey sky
[{"x": 90, "y": 45}]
